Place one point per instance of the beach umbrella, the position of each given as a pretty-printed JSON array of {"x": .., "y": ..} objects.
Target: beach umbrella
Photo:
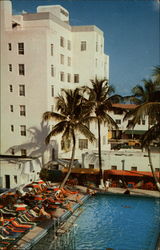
[{"x": 20, "y": 206}]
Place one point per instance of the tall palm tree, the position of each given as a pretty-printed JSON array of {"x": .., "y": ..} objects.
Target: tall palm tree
[
  {"x": 148, "y": 98},
  {"x": 156, "y": 73},
  {"x": 152, "y": 109},
  {"x": 142, "y": 94},
  {"x": 73, "y": 115},
  {"x": 100, "y": 99}
]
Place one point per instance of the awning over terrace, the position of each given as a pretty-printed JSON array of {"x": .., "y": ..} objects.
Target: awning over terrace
[
  {"x": 134, "y": 132},
  {"x": 129, "y": 173},
  {"x": 82, "y": 171}
]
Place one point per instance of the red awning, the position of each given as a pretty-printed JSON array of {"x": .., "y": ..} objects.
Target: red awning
[{"x": 128, "y": 173}]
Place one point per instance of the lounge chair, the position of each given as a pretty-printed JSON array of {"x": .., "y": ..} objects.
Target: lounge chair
[
  {"x": 22, "y": 221},
  {"x": 17, "y": 224}
]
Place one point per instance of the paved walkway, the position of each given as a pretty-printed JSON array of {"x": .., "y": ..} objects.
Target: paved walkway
[{"x": 133, "y": 191}]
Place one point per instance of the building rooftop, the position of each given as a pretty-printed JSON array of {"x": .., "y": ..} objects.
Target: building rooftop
[{"x": 124, "y": 106}]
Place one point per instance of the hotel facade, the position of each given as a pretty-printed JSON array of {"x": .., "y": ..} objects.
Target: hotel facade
[{"x": 41, "y": 53}]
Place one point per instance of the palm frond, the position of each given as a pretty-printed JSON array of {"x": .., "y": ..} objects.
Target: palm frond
[
  {"x": 110, "y": 122},
  {"x": 53, "y": 115},
  {"x": 152, "y": 134},
  {"x": 152, "y": 109},
  {"x": 156, "y": 74},
  {"x": 57, "y": 129},
  {"x": 85, "y": 131}
]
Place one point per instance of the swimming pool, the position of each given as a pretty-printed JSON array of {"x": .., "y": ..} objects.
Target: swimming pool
[
  {"x": 118, "y": 222},
  {"x": 115, "y": 222}
]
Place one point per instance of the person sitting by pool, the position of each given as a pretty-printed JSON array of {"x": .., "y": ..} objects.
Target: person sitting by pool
[
  {"x": 42, "y": 213},
  {"x": 68, "y": 206},
  {"x": 59, "y": 195},
  {"x": 1, "y": 219},
  {"x": 107, "y": 184},
  {"x": 78, "y": 199},
  {"x": 127, "y": 191},
  {"x": 91, "y": 192}
]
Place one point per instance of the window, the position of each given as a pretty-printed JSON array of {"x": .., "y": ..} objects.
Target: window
[
  {"x": 139, "y": 122},
  {"x": 10, "y": 67},
  {"x": 104, "y": 140},
  {"x": 101, "y": 48},
  {"x": 10, "y": 88},
  {"x": 83, "y": 45},
  {"x": 143, "y": 122},
  {"x": 23, "y": 152},
  {"x": 22, "y": 90},
  {"x": 97, "y": 46},
  {"x": 23, "y": 130},
  {"x": 96, "y": 143},
  {"x": 52, "y": 108},
  {"x": 83, "y": 143},
  {"x": 114, "y": 167},
  {"x": 96, "y": 62},
  {"x": 133, "y": 168},
  {"x": 52, "y": 90},
  {"x": 69, "y": 61},
  {"x": 118, "y": 121},
  {"x": 61, "y": 59},
  {"x": 52, "y": 47},
  {"x": 69, "y": 77},
  {"x": 62, "y": 41},
  {"x": 11, "y": 108},
  {"x": 9, "y": 46},
  {"x": 15, "y": 178},
  {"x": 118, "y": 111},
  {"x": 12, "y": 128},
  {"x": 22, "y": 110},
  {"x": 52, "y": 70},
  {"x": 21, "y": 48},
  {"x": 69, "y": 45},
  {"x": 157, "y": 169},
  {"x": 76, "y": 78},
  {"x": 12, "y": 151},
  {"x": 62, "y": 76},
  {"x": 91, "y": 166},
  {"x": 87, "y": 124},
  {"x": 21, "y": 69}
]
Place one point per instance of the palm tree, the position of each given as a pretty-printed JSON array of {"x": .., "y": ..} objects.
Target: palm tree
[
  {"x": 156, "y": 74},
  {"x": 144, "y": 94},
  {"x": 100, "y": 100},
  {"x": 148, "y": 98},
  {"x": 72, "y": 116},
  {"x": 152, "y": 109}
]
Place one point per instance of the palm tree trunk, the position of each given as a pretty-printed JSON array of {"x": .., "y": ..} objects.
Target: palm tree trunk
[
  {"x": 99, "y": 151},
  {"x": 71, "y": 162},
  {"x": 151, "y": 165}
]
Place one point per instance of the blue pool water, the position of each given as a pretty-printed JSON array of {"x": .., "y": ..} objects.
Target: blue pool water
[{"x": 118, "y": 222}]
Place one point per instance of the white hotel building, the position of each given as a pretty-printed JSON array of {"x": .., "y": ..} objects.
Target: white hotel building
[{"x": 42, "y": 53}]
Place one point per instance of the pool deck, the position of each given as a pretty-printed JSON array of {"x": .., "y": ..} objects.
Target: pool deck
[
  {"x": 38, "y": 232},
  {"x": 140, "y": 192}
]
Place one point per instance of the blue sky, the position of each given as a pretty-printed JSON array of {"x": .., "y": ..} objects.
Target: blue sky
[{"x": 131, "y": 32}]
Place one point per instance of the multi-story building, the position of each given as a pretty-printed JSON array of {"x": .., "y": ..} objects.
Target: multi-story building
[
  {"x": 42, "y": 53},
  {"x": 124, "y": 135}
]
